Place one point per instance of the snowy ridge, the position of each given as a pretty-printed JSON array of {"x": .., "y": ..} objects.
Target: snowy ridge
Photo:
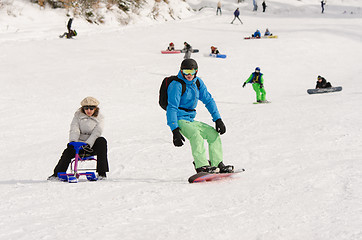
[{"x": 302, "y": 153}]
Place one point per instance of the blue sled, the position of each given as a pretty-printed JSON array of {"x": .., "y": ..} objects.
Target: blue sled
[{"x": 71, "y": 178}]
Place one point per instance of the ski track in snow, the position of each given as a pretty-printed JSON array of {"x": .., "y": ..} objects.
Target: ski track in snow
[{"x": 301, "y": 152}]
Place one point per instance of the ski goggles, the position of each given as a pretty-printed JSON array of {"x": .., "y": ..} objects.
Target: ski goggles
[
  {"x": 189, "y": 71},
  {"x": 89, "y": 107}
]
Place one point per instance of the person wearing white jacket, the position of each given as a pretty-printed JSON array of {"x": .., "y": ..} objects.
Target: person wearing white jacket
[{"x": 87, "y": 126}]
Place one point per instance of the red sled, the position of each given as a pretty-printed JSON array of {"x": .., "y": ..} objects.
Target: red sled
[
  {"x": 208, "y": 177},
  {"x": 171, "y": 52}
]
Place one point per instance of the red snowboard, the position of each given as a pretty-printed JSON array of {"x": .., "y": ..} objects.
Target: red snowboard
[
  {"x": 207, "y": 177},
  {"x": 170, "y": 52}
]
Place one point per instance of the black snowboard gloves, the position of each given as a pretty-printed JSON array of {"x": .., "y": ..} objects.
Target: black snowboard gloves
[
  {"x": 261, "y": 85},
  {"x": 244, "y": 84},
  {"x": 220, "y": 126},
  {"x": 178, "y": 139}
]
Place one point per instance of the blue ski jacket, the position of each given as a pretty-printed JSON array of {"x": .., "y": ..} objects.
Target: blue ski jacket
[
  {"x": 257, "y": 34},
  {"x": 188, "y": 101},
  {"x": 236, "y": 13}
]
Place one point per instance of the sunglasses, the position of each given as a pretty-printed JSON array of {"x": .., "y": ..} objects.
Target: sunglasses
[
  {"x": 189, "y": 71},
  {"x": 89, "y": 107}
]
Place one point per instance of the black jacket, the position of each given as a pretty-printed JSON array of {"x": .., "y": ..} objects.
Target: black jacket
[{"x": 323, "y": 84}]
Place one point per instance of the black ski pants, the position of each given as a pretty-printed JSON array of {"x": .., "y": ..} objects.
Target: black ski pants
[{"x": 99, "y": 149}]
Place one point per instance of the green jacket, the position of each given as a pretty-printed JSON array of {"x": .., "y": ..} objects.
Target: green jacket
[{"x": 255, "y": 78}]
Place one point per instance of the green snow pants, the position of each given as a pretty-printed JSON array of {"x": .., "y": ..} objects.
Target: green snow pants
[
  {"x": 196, "y": 132},
  {"x": 260, "y": 92}
]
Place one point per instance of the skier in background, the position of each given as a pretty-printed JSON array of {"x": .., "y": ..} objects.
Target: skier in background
[
  {"x": 255, "y": 6},
  {"x": 257, "y": 34},
  {"x": 188, "y": 50},
  {"x": 322, "y": 5},
  {"x": 264, "y": 6},
  {"x": 236, "y": 16},
  {"x": 218, "y": 8},
  {"x": 267, "y": 33},
  {"x": 214, "y": 50},
  {"x": 181, "y": 114},
  {"x": 256, "y": 78},
  {"x": 322, "y": 83},
  {"x": 171, "y": 47},
  {"x": 71, "y": 33}
]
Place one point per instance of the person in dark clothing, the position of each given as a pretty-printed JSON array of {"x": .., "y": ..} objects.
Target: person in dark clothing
[
  {"x": 236, "y": 16},
  {"x": 171, "y": 47},
  {"x": 187, "y": 50},
  {"x": 264, "y": 6},
  {"x": 218, "y": 8},
  {"x": 322, "y": 83},
  {"x": 322, "y": 5},
  {"x": 214, "y": 50},
  {"x": 71, "y": 33},
  {"x": 87, "y": 127}
]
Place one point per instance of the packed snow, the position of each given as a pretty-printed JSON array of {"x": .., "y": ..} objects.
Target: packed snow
[{"x": 302, "y": 153}]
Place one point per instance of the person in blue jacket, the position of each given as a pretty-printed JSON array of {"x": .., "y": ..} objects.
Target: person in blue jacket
[
  {"x": 181, "y": 115},
  {"x": 257, "y": 34}
]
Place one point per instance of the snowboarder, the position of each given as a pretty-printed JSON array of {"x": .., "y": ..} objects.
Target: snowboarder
[
  {"x": 322, "y": 83},
  {"x": 188, "y": 50},
  {"x": 322, "y": 5},
  {"x": 71, "y": 33},
  {"x": 264, "y": 6},
  {"x": 256, "y": 78},
  {"x": 257, "y": 34},
  {"x": 214, "y": 50},
  {"x": 236, "y": 16},
  {"x": 181, "y": 114},
  {"x": 171, "y": 47},
  {"x": 218, "y": 8},
  {"x": 86, "y": 126},
  {"x": 267, "y": 33}
]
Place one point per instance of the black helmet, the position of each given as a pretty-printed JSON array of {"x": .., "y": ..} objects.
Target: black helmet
[{"x": 189, "y": 64}]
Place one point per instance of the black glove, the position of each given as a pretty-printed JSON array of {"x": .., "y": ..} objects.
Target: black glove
[
  {"x": 261, "y": 85},
  {"x": 178, "y": 139},
  {"x": 220, "y": 126},
  {"x": 244, "y": 84},
  {"x": 87, "y": 148}
]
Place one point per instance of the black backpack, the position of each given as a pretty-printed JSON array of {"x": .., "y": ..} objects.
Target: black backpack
[{"x": 163, "y": 98}]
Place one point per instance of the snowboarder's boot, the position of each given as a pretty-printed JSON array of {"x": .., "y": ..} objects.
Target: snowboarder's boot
[
  {"x": 207, "y": 169},
  {"x": 225, "y": 169}
]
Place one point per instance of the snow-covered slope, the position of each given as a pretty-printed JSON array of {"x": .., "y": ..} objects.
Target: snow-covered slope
[{"x": 302, "y": 153}]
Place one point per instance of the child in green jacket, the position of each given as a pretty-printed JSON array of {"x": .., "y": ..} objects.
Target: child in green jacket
[{"x": 256, "y": 78}]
